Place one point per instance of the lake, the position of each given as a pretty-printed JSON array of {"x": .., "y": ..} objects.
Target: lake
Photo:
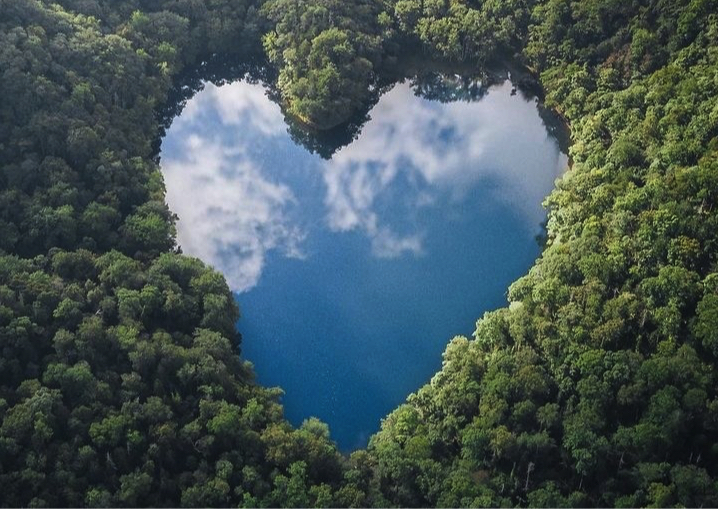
[{"x": 353, "y": 273}]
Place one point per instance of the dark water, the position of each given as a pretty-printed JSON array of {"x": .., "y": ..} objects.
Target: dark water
[{"x": 352, "y": 274}]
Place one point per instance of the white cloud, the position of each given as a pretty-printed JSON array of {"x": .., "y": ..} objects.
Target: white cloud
[
  {"x": 231, "y": 216},
  {"x": 486, "y": 140},
  {"x": 236, "y": 104},
  {"x": 386, "y": 244}
]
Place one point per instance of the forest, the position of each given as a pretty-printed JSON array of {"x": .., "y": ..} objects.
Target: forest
[{"x": 121, "y": 381}]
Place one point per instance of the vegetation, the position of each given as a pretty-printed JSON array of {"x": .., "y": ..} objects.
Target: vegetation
[
  {"x": 327, "y": 52},
  {"x": 596, "y": 386},
  {"x": 120, "y": 379}
]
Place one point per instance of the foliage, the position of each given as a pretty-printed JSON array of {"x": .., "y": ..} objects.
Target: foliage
[
  {"x": 327, "y": 52},
  {"x": 596, "y": 387},
  {"x": 120, "y": 376}
]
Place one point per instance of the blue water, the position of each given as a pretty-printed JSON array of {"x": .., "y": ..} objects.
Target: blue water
[{"x": 352, "y": 274}]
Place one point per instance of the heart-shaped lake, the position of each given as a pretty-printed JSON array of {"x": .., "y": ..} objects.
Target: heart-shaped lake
[{"x": 353, "y": 273}]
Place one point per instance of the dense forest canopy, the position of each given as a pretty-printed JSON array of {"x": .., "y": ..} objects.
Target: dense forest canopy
[{"x": 120, "y": 376}]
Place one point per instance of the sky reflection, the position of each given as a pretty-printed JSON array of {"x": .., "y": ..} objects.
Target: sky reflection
[
  {"x": 414, "y": 153},
  {"x": 354, "y": 272}
]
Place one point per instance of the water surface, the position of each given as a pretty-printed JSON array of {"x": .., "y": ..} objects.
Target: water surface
[{"x": 353, "y": 273}]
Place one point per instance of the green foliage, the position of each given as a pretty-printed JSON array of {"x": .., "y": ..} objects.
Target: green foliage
[
  {"x": 462, "y": 29},
  {"x": 120, "y": 379},
  {"x": 596, "y": 386},
  {"x": 327, "y": 52}
]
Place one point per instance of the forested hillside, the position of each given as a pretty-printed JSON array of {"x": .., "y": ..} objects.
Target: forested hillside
[
  {"x": 597, "y": 385},
  {"x": 120, "y": 376},
  {"x": 120, "y": 381}
]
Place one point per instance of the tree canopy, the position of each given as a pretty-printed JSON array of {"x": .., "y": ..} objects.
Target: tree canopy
[{"x": 121, "y": 382}]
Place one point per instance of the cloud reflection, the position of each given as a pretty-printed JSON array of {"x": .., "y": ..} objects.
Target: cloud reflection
[
  {"x": 230, "y": 214},
  {"x": 415, "y": 152},
  {"x": 451, "y": 148},
  {"x": 236, "y": 104}
]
